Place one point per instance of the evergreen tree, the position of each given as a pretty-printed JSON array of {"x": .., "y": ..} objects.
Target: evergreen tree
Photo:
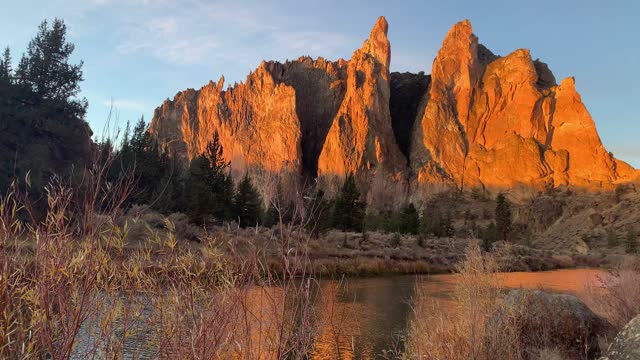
[
  {"x": 349, "y": 210},
  {"x": 409, "y": 220},
  {"x": 631, "y": 242},
  {"x": 319, "y": 214},
  {"x": 503, "y": 217},
  {"x": 446, "y": 226},
  {"x": 142, "y": 156},
  {"x": 5, "y": 66},
  {"x": 280, "y": 209},
  {"x": 45, "y": 69},
  {"x": 247, "y": 203},
  {"x": 489, "y": 236},
  {"x": 210, "y": 185},
  {"x": 169, "y": 195},
  {"x": 200, "y": 199}
]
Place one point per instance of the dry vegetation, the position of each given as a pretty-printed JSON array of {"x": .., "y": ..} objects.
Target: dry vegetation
[
  {"x": 72, "y": 285},
  {"x": 484, "y": 324},
  {"x": 87, "y": 281}
]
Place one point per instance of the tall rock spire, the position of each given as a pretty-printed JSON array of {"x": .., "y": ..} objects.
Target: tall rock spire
[{"x": 361, "y": 140}]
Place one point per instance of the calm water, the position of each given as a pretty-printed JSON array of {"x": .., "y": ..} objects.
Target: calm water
[
  {"x": 374, "y": 313},
  {"x": 361, "y": 318}
]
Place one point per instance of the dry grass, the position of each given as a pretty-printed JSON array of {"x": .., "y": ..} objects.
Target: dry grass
[
  {"x": 479, "y": 323},
  {"x": 80, "y": 289},
  {"x": 617, "y": 295},
  {"x": 461, "y": 334}
]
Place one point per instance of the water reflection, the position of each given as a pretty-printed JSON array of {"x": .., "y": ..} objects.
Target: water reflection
[
  {"x": 354, "y": 319},
  {"x": 365, "y": 317}
]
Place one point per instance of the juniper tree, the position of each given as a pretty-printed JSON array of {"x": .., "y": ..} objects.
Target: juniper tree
[
  {"x": 349, "y": 210},
  {"x": 247, "y": 203},
  {"x": 488, "y": 236},
  {"x": 409, "y": 220},
  {"x": 503, "y": 217}
]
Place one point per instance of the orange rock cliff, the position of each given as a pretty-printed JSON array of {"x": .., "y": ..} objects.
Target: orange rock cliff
[{"x": 479, "y": 120}]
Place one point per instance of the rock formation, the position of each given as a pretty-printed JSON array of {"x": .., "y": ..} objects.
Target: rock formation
[
  {"x": 361, "y": 140},
  {"x": 626, "y": 345},
  {"x": 503, "y": 122},
  {"x": 257, "y": 123},
  {"x": 479, "y": 120}
]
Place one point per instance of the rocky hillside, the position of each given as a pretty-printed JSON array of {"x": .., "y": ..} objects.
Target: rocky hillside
[{"x": 479, "y": 120}]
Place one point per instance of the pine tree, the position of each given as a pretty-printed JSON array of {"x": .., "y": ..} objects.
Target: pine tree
[
  {"x": 349, "y": 210},
  {"x": 46, "y": 71},
  {"x": 210, "y": 186},
  {"x": 489, "y": 236},
  {"x": 409, "y": 220},
  {"x": 5, "y": 66},
  {"x": 319, "y": 214},
  {"x": 503, "y": 217},
  {"x": 247, "y": 203},
  {"x": 200, "y": 199},
  {"x": 631, "y": 242}
]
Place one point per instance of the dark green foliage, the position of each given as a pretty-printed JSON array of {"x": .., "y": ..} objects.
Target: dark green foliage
[
  {"x": 247, "y": 203},
  {"x": 6, "y": 70},
  {"x": 349, "y": 210},
  {"x": 503, "y": 217},
  {"x": 409, "y": 220},
  {"x": 489, "y": 236},
  {"x": 145, "y": 162},
  {"x": 319, "y": 214},
  {"x": 44, "y": 70},
  {"x": 210, "y": 187},
  {"x": 382, "y": 220},
  {"x": 436, "y": 223},
  {"x": 42, "y": 127},
  {"x": 279, "y": 210},
  {"x": 631, "y": 242}
]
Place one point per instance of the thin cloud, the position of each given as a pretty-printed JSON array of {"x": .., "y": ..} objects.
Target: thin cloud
[
  {"x": 125, "y": 104},
  {"x": 203, "y": 33}
]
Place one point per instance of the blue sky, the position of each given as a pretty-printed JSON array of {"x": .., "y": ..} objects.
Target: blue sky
[{"x": 139, "y": 52}]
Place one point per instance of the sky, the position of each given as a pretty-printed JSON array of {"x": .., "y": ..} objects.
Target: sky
[{"x": 137, "y": 53}]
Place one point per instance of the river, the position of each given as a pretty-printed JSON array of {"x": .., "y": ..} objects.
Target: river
[
  {"x": 374, "y": 313},
  {"x": 362, "y": 318}
]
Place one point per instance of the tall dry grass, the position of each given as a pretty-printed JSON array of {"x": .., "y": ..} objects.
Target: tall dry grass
[
  {"x": 616, "y": 295},
  {"x": 460, "y": 334},
  {"x": 72, "y": 286}
]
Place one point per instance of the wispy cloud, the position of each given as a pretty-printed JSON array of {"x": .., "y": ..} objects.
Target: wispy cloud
[
  {"x": 199, "y": 32},
  {"x": 127, "y": 104}
]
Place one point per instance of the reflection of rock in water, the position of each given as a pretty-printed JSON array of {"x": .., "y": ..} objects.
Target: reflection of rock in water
[
  {"x": 355, "y": 319},
  {"x": 363, "y": 317}
]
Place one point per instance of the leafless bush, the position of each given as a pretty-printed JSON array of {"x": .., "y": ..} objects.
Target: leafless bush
[{"x": 616, "y": 296}]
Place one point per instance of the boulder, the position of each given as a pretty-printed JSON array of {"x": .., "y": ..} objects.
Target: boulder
[
  {"x": 626, "y": 346},
  {"x": 544, "y": 320}
]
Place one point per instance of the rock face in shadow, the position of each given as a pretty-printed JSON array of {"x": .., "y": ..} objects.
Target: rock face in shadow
[
  {"x": 479, "y": 120},
  {"x": 319, "y": 90},
  {"x": 407, "y": 92}
]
